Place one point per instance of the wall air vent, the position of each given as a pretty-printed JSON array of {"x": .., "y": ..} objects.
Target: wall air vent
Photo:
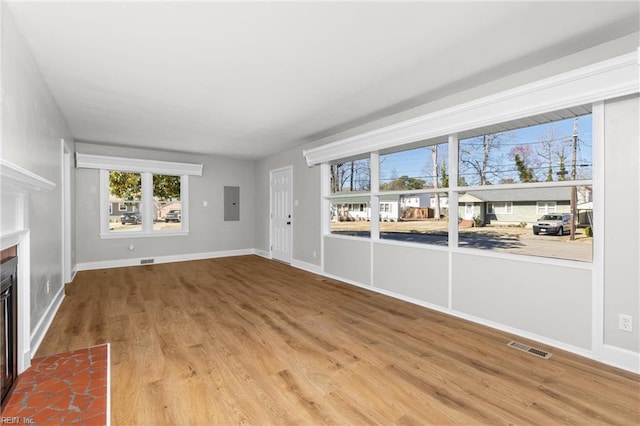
[
  {"x": 146, "y": 261},
  {"x": 528, "y": 349}
]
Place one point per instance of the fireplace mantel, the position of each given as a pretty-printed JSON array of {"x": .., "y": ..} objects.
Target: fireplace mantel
[
  {"x": 16, "y": 183},
  {"x": 15, "y": 180}
]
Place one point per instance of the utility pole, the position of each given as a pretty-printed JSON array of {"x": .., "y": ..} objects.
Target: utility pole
[{"x": 574, "y": 200}]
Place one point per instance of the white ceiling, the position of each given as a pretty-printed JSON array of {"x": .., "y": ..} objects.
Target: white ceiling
[{"x": 251, "y": 79}]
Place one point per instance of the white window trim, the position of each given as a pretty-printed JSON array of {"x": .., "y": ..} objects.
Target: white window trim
[
  {"x": 146, "y": 168},
  {"x": 546, "y": 205},
  {"x": 146, "y": 207},
  {"x": 507, "y": 205},
  {"x": 135, "y": 165},
  {"x": 122, "y": 207}
]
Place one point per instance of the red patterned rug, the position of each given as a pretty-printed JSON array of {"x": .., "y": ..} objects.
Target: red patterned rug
[{"x": 68, "y": 388}]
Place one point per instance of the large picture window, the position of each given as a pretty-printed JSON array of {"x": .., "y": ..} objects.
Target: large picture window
[{"x": 522, "y": 187}]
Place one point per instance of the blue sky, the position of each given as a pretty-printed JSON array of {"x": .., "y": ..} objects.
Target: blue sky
[{"x": 417, "y": 162}]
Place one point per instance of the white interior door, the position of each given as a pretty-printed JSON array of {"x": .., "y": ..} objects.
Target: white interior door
[{"x": 281, "y": 214}]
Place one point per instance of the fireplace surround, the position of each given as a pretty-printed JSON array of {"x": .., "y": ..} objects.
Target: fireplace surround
[
  {"x": 8, "y": 326},
  {"x": 16, "y": 186}
]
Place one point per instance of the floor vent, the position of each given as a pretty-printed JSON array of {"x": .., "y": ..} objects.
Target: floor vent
[{"x": 533, "y": 351}]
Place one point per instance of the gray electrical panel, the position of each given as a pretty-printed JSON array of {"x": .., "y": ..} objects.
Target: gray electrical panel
[{"x": 231, "y": 203}]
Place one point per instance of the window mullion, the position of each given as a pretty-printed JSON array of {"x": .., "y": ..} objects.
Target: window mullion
[
  {"x": 184, "y": 200},
  {"x": 104, "y": 202},
  {"x": 147, "y": 202},
  {"x": 453, "y": 191},
  {"x": 374, "y": 167}
]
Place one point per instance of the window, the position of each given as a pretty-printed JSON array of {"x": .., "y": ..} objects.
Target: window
[
  {"x": 506, "y": 181},
  {"x": 500, "y": 208},
  {"x": 351, "y": 217},
  {"x": 351, "y": 176},
  {"x": 131, "y": 192},
  {"x": 414, "y": 169},
  {"x": 554, "y": 151},
  {"x": 544, "y": 207},
  {"x": 411, "y": 207},
  {"x": 167, "y": 204},
  {"x": 523, "y": 175},
  {"x": 153, "y": 193},
  {"x": 350, "y": 200}
]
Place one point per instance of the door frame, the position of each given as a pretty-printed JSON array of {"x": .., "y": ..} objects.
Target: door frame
[
  {"x": 271, "y": 173},
  {"x": 65, "y": 179}
]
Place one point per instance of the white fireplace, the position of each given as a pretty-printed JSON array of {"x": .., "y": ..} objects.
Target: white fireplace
[{"x": 16, "y": 184}]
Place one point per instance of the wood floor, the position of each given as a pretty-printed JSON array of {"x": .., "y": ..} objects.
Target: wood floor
[{"x": 246, "y": 340}]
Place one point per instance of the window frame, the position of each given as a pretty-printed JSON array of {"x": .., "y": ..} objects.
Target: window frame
[
  {"x": 146, "y": 168},
  {"x": 146, "y": 209},
  {"x": 508, "y": 207},
  {"x": 452, "y": 192},
  {"x": 546, "y": 204}
]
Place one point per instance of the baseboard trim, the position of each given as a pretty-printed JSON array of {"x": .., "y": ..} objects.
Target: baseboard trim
[
  {"x": 620, "y": 358},
  {"x": 612, "y": 356},
  {"x": 119, "y": 263},
  {"x": 306, "y": 266},
  {"x": 262, "y": 253},
  {"x": 45, "y": 322}
]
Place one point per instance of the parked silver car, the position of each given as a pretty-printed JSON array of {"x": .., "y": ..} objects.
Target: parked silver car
[
  {"x": 173, "y": 216},
  {"x": 555, "y": 223}
]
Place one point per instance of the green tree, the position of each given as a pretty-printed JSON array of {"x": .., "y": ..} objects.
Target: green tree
[
  {"x": 403, "y": 183},
  {"x": 166, "y": 187},
  {"x": 128, "y": 186},
  {"x": 526, "y": 173},
  {"x": 444, "y": 176},
  {"x": 125, "y": 185}
]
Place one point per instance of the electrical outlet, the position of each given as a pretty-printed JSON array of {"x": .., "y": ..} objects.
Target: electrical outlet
[{"x": 625, "y": 322}]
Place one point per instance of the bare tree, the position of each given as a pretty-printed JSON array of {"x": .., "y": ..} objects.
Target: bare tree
[
  {"x": 552, "y": 149},
  {"x": 476, "y": 156},
  {"x": 354, "y": 175}
]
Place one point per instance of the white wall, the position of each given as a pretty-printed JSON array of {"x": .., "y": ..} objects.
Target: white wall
[
  {"x": 209, "y": 233},
  {"x": 32, "y": 127},
  {"x": 546, "y": 300},
  {"x": 420, "y": 273},
  {"x": 622, "y": 222}
]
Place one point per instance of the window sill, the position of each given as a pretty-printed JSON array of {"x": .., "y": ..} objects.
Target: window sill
[{"x": 114, "y": 235}]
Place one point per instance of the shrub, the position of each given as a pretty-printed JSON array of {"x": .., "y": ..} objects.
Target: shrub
[{"x": 588, "y": 231}]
